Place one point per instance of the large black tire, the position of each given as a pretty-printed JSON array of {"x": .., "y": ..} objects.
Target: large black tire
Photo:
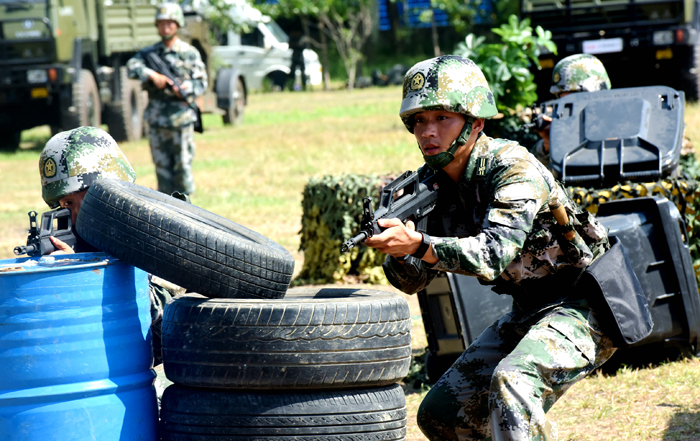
[
  {"x": 182, "y": 243},
  {"x": 86, "y": 100},
  {"x": 376, "y": 414},
  {"x": 9, "y": 140},
  {"x": 234, "y": 114},
  {"x": 125, "y": 116},
  {"x": 312, "y": 339}
]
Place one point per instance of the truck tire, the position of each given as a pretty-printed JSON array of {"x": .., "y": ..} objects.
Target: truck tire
[
  {"x": 184, "y": 244},
  {"x": 125, "y": 116},
  {"x": 234, "y": 114},
  {"x": 375, "y": 414},
  {"x": 314, "y": 338},
  {"x": 86, "y": 100},
  {"x": 9, "y": 140}
]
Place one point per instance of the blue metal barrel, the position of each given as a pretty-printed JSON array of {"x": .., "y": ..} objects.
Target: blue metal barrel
[{"x": 75, "y": 350}]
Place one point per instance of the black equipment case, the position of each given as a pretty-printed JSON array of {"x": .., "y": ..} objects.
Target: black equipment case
[
  {"x": 598, "y": 139},
  {"x": 456, "y": 308}
]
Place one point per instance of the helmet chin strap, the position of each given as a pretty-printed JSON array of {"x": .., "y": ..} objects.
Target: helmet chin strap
[{"x": 439, "y": 161}]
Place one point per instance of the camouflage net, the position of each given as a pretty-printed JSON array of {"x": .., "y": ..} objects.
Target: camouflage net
[
  {"x": 683, "y": 192},
  {"x": 332, "y": 210}
]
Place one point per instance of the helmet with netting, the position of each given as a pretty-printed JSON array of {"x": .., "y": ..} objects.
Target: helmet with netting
[
  {"x": 71, "y": 161},
  {"x": 170, "y": 11},
  {"x": 579, "y": 73},
  {"x": 450, "y": 83}
]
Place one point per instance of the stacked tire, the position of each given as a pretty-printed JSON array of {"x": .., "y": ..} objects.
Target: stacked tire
[
  {"x": 320, "y": 364},
  {"x": 251, "y": 359}
]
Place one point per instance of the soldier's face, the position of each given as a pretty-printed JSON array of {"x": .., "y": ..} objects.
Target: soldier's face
[
  {"x": 436, "y": 130},
  {"x": 73, "y": 202},
  {"x": 166, "y": 28}
]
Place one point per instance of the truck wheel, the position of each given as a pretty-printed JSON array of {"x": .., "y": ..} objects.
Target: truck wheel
[
  {"x": 86, "y": 100},
  {"x": 182, "y": 243},
  {"x": 125, "y": 117},
  {"x": 9, "y": 140},
  {"x": 314, "y": 338},
  {"x": 234, "y": 114},
  {"x": 375, "y": 414}
]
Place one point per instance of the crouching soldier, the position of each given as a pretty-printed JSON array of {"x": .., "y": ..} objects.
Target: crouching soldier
[
  {"x": 69, "y": 164},
  {"x": 494, "y": 221}
]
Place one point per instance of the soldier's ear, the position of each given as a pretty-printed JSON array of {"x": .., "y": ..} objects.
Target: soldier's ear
[{"x": 478, "y": 125}]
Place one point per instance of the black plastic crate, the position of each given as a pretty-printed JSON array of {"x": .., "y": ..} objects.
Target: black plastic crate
[
  {"x": 598, "y": 139},
  {"x": 456, "y": 309},
  {"x": 653, "y": 232}
]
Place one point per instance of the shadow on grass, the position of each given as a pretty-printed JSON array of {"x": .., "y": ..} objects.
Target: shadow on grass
[
  {"x": 683, "y": 426},
  {"x": 644, "y": 357}
]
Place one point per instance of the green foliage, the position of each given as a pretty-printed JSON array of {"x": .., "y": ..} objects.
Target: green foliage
[
  {"x": 506, "y": 65},
  {"x": 332, "y": 209},
  {"x": 459, "y": 12}
]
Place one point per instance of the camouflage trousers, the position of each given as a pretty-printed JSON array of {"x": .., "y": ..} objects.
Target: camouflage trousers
[
  {"x": 502, "y": 386},
  {"x": 173, "y": 150}
]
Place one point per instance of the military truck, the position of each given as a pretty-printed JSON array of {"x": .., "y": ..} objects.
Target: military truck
[
  {"x": 641, "y": 42},
  {"x": 62, "y": 63}
]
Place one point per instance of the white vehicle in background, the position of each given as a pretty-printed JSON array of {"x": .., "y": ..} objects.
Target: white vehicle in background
[{"x": 263, "y": 54}]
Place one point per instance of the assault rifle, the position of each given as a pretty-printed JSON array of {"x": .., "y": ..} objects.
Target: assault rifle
[
  {"x": 56, "y": 223},
  {"x": 537, "y": 120},
  {"x": 153, "y": 61},
  {"x": 405, "y": 198}
]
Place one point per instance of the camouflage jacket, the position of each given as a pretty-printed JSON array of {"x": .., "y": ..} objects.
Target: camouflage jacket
[
  {"x": 165, "y": 109},
  {"x": 495, "y": 222}
]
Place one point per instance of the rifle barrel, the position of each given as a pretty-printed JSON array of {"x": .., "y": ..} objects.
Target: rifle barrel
[{"x": 351, "y": 243}]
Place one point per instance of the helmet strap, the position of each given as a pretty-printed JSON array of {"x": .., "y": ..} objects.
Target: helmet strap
[{"x": 439, "y": 161}]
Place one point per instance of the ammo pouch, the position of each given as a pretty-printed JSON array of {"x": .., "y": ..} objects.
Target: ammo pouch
[{"x": 614, "y": 293}]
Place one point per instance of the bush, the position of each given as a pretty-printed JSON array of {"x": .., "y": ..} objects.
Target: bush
[{"x": 332, "y": 210}]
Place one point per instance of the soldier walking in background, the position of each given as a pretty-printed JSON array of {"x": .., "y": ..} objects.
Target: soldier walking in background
[
  {"x": 494, "y": 220},
  {"x": 171, "y": 120}
]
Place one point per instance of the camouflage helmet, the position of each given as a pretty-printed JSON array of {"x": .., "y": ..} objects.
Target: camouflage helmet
[
  {"x": 71, "y": 161},
  {"x": 579, "y": 73},
  {"x": 170, "y": 11},
  {"x": 450, "y": 83}
]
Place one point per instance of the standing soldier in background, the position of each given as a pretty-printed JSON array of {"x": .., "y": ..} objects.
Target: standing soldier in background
[
  {"x": 170, "y": 118},
  {"x": 575, "y": 73}
]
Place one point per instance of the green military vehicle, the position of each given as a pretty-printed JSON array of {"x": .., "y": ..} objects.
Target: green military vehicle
[
  {"x": 62, "y": 63},
  {"x": 641, "y": 42}
]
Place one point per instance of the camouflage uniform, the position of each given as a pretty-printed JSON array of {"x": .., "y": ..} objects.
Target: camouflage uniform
[
  {"x": 71, "y": 162},
  {"x": 575, "y": 73},
  {"x": 170, "y": 119},
  {"x": 495, "y": 224}
]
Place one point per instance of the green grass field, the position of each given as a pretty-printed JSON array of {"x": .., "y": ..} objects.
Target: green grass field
[{"x": 254, "y": 174}]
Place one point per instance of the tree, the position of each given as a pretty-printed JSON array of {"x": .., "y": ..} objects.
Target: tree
[
  {"x": 347, "y": 22},
  {"x": 506, "y": 65}
]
